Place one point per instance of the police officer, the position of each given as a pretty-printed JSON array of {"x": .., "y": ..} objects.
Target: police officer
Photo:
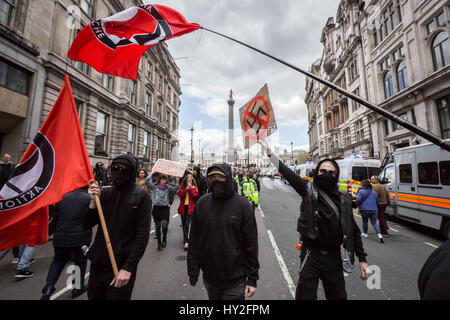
[{"x": 250, "y": 190}]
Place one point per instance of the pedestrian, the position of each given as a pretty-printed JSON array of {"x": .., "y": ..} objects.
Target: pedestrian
[
  {"x": 6, "y": 169},
  {"x": 256, "y": 179},
  {"x": 201, "y": 182},
  {"x": 127, "y": 215},
  {"x": 17, "y": 253},
  {"x": 26, "y": 260},
  {"x": 434, "y": 277},
  {"x": 250, "y": 191},
  {"x": 188, "y": 194},
  {"x": 367, "y": 202},
  {"x": 99, "y": 174},
  {"x": 383, "y": 202},
  {"x": 172, "y": 182},
  {"x": 69, "y": 236},
  {"x": 326, "y": 222},
  {"x": 108, "y": 181},
  {"x": 160, "y": 211},
  {"x": 223, "y": 240},
  {"x": 140, "y": 181}
]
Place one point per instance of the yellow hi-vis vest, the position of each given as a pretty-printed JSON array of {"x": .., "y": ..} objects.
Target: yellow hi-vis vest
[{"x": 249, "y": 191}]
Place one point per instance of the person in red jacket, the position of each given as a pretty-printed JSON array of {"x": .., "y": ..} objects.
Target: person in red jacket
[{"x": 187, "y": 193}]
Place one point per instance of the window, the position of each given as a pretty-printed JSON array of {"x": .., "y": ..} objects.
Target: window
[
  {"x": 148, "y": 103},
  {"x": 405, "y": 173},
  {"x": 396, "y": 126},
  {"x": 14, "y": 78},
  {"x": 360, "y": 173},
  {"x": 389, "y": 19},
  {"x": 149, "y": 70},
  {"x": 441, "y": 19},
  {"x": 389, "y": 174},
  {"x": 320, "y": 128},
  {"x": 375, "y": 34},
  {"x": 443, "y": 106},
  {"x": 386, "y": 127},
  {"x": 108, "y": 81},
  {"x": 174, "y": 123},
  {"x": 159, "y": 113},
  {"x": 345, "y": 110},
  {"x": 160, "y": 83},
  {"x": 441, "y": 50},
  {"x": 347, "y": 137},
  {"x": 428, "y": 173},
  {"x": 402, "y": 76},
  {"x": 87, "y": 6},
  {"x": 388, "y": 85},
  {"x": 359, "y": 130},
  {"x": 131, "y": 135},
  {"x": 101, "y": 134},
  {"x": 145, "y": 154},
  {"x": 168, "y": 118},
  {"x": 444, "y": 172},
  {"x": 133, "y": 89},
  {"x": 355, "y": 105},
  {"x": 431, "y": 27},
  {"x": 7, "y": 8}
]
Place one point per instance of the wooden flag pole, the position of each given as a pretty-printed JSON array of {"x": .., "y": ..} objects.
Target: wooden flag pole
[{"x": 106, "y": 234}]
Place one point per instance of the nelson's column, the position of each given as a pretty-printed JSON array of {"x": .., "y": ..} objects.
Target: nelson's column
[{"x": 231, "y": 152}]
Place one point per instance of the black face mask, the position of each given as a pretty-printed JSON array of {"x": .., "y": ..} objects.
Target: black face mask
[
  {"x": 121, "y": 178},
  {"x": 218, "y": 189},
  {"x": 327, "y": 183}
]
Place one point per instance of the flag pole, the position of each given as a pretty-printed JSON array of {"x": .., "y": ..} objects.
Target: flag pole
[
  {"x": 106, "y": 234},
  {"x": 408, "y": 125}
]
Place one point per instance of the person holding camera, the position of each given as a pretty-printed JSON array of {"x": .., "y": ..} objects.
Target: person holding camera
[{"x": 326, "y": 222}]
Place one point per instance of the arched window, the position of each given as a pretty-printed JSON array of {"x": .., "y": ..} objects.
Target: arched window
[
  {"x": 388, "y": 85},
  {"x": 441, "y": 50},
  {"x": 402, "y": 76}
]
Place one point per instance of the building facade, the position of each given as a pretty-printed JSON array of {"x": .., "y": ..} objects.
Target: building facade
[
  {"x": 117, "y": 115},
  {"x": 393, "y": 53}
]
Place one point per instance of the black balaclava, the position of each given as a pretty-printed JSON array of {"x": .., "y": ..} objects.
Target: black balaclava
[
  {"x": 124, "y": 179},
  {"x": 221, "y": 189},
  {"x": 327, "y": 182}
]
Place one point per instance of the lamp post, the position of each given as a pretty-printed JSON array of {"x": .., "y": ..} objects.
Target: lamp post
[
  {"x": 292, "y": 153},
  {"x": 192, "y": 145}
]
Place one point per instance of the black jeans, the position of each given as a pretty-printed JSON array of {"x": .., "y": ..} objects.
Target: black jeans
[
  {"x": 216, "y": 293},
  {"x": 186, "y": 221},
  {"x": 99, "y": 288},
  {"x": 62, "y": 256},
  {"x": 317, "y": 265}
]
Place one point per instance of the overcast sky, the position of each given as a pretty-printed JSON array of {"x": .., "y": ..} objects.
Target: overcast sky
[{"x": 288, "y": 29}]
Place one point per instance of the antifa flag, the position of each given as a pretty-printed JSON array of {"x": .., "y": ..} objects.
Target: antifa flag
[
  {"x": 55, "y": 163},
  {"x": 115, "y": 45}
]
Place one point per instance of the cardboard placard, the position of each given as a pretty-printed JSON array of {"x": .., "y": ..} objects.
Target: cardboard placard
[{"x": 169, "y": 167}]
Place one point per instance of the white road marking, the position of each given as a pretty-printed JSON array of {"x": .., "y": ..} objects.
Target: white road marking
[
  {"x": 262, "y": 214},
  {"x": 175, "y": 216},
  {"x": 432, "y": 245},
  {"x": 283, "y": 267},
  {"x": 61, "y": 292},
  {"x": 390, "y": 228}
]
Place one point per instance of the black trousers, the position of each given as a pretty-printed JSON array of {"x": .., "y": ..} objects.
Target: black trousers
[
  {"x": 62, "y": 256},
  {"x": 99, "y": 288},
  {"x": 217, "y": 293},
  {"x": 317, "y": 265}
]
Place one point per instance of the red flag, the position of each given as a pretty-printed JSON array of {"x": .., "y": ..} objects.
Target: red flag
[
  {"x": 55, "y": 163},
  {"x": 115, "y": 45}
]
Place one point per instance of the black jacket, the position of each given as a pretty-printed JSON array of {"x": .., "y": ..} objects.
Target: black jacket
[
  {"x": 127, "y": 216},
  {"x": 434, "y": 278},
  {"x": 67, "y": 220},
  {"x": 317, "y": 224},
  {"x": 201, "y": 183},
  {"x": 223, "y": 239}
]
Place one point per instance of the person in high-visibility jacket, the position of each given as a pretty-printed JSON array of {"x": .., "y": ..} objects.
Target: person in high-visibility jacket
[{"x": 250, "y": 190}]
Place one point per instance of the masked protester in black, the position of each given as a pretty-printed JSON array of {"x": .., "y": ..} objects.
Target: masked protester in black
[
  {"x": 223, "y": 240},
  {"x": 126, "y": 208},
  {"x": 323, "y": 230},
  {"x": 201, "y": 182}
]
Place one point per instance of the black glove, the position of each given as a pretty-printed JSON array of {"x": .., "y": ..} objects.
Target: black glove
[{"x": 193, "y": 281}]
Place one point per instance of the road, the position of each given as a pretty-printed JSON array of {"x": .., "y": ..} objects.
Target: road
[{"x": 163, "y": 275}]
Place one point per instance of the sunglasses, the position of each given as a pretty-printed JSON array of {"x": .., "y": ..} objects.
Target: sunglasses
[
  {"x": 117, "y": 167},
  {"x": 331, "y": 172}
]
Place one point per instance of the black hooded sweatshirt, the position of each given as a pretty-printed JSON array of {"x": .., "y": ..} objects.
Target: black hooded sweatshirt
[
  {"x": 330, "y": 235},
  {"x": 126, "y": 209},
  {"x": 201, "y": 183},
  {"x": 223, "y": 240}
]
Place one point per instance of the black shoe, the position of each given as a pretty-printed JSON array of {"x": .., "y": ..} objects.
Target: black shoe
[
  {"x": 159, "y": 247},
  {"x": 78, "y": 292},
  {"x": 164, "y": 243},
  {"x": 381, "y": 240},
  {"x": 22, "y": 274},
  {"x": 46, "y": 293}
]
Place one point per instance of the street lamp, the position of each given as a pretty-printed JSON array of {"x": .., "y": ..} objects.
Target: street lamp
[
  {"x": 292, "y": 153},
  {"x": 192, "y": 145}
]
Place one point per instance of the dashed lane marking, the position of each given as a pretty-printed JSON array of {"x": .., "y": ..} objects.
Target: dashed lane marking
[
  {"x": 262, "y": 214},
  {"x": 390, "y": 228},
  {"x": 431, "y": 245},
  {"x": 283, "y": 267}
]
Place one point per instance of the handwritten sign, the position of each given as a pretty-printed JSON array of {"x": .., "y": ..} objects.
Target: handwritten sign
[
  {"x": 169, "y": 167},
  {"x": 257, "y": 118}
]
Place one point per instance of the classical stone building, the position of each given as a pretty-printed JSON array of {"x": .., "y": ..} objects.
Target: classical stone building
[
  {"x": 393, "y": 53},
  {"x": 117, "y": 115}
]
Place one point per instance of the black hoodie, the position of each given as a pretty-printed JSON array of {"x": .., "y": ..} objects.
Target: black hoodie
[
  {"x": 223, "y": 240},
  {"x": 201, "y": 183},
  {"x": 127, "y": 215}
]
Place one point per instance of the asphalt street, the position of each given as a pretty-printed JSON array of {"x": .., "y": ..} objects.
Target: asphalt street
[{"x": 163, "y": 275}]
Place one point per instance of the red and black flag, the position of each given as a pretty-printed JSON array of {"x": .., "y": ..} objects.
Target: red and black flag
[
  {"x": 55, "y": 163},
  {"x": 115, "y": 45}
]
